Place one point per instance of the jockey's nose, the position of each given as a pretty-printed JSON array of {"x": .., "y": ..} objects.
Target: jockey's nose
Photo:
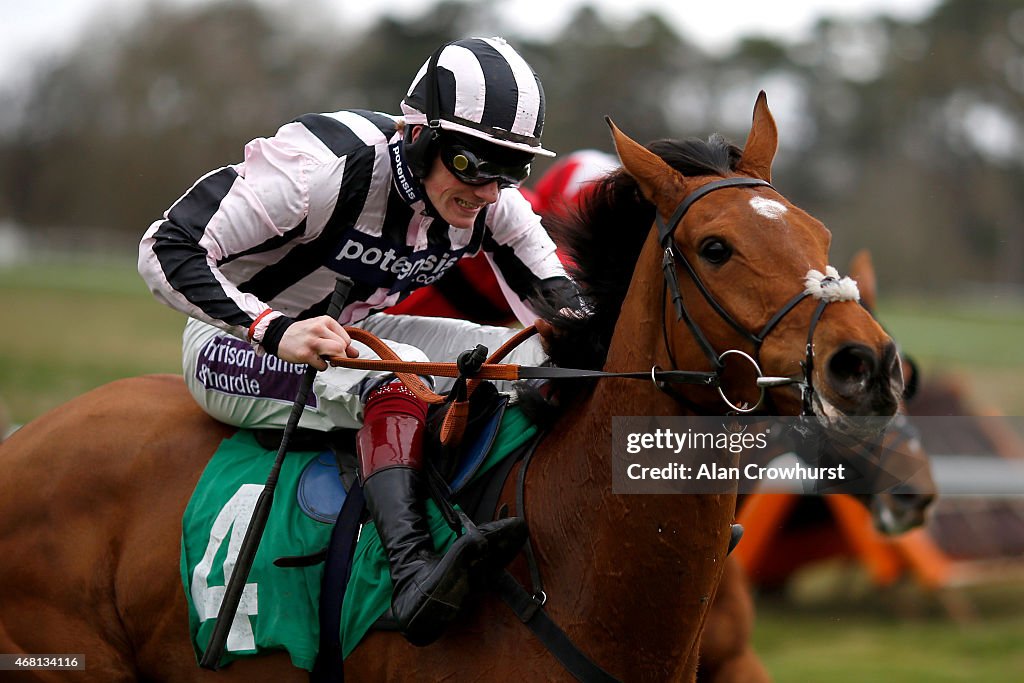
[{"x": 487, "y": 192}]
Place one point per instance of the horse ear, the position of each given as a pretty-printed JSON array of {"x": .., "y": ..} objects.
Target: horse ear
[
  {"x": 863, "y": 271},
  {"x": 659, "y": 182},
  {"x": 762, "y": 142}
]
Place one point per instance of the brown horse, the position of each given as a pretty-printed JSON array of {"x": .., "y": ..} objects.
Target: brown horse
[{"x": 93, "y": 492}]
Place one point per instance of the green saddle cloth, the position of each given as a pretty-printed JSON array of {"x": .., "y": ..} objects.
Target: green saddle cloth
[{"x": 278, "y": 608}]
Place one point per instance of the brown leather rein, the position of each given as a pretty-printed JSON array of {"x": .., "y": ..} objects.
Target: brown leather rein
[{"x": 470, "y": 374}]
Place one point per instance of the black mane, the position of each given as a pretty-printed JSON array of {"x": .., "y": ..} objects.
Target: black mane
[{"x": 603, "y": 238}]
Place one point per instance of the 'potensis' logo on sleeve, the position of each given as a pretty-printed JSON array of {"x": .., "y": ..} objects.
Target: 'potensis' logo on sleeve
[{"x": 377, "y": 261}]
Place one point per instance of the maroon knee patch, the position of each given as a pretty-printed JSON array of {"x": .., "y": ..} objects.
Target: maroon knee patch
[
  {"x": 394, "y": 398},
  {"x": 392, "y": 432}
]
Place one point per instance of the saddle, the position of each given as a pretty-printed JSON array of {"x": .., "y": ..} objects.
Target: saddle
[{"x": 326, "y": 480}]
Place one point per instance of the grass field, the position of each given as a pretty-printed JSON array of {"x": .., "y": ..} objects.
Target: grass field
[
  {"x": 840, "y": 645},
  {"x": 71, "y": 327},
  {"x": 978, "y": 340}
]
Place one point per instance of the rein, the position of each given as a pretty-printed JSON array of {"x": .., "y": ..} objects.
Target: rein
[
  {"x": 491, "y": 369},
  {"x": 472, "y": 368}
]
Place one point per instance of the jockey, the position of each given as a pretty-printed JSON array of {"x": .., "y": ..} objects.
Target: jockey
[{"x": 251, "y": 250}]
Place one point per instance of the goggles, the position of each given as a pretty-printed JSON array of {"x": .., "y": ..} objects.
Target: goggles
[{"x": 469, "y": 168}]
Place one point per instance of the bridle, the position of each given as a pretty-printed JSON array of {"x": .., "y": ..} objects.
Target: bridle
[{"x": 672, "y": 254}]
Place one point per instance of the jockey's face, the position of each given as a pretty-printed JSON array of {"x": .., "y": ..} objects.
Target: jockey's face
[{"x": 458, "y": 203}]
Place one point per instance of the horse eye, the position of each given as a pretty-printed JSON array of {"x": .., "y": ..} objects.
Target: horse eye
[{"x": 715, "y": 251}]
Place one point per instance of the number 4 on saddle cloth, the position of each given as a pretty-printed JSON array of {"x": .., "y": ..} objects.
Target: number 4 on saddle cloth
[{"x": 279, "y": 605}]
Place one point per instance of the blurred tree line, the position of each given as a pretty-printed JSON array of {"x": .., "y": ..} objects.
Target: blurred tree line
[{"x": 904, "y": 137}]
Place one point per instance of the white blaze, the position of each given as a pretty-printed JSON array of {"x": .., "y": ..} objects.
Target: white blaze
[{"x": 769, "y": 208}]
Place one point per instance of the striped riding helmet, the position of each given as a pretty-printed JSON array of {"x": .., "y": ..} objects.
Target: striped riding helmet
[{"x": 480, "y": 87}]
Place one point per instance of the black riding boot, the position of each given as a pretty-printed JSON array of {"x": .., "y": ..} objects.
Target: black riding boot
[{"x": 428, "y": 589}]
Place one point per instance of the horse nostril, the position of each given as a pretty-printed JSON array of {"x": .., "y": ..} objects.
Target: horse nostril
[
  {"x": 851, "y": 368},
  {"x": 871, "y": 381},
  {"x": 892, "y": 364}
]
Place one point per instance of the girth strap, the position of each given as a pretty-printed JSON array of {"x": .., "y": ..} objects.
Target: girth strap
[
  {"x": 530, "y": 607},
  {"x": 548, "y": 632}
]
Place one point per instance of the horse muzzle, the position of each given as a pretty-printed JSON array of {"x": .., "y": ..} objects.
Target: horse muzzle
[{"x": 859, "y": 381}]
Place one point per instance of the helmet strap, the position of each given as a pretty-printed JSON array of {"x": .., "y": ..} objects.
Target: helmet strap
[{"x": 420, "y": 153}]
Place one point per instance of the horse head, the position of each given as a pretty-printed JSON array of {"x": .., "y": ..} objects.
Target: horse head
[{"x": 748, "y": 279}]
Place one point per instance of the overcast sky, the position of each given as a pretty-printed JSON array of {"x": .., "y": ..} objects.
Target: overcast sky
[{"x": 30, "y": 29}]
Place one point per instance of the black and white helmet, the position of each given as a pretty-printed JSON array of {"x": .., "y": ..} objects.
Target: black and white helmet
[{"x": 480, "y": 87}]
